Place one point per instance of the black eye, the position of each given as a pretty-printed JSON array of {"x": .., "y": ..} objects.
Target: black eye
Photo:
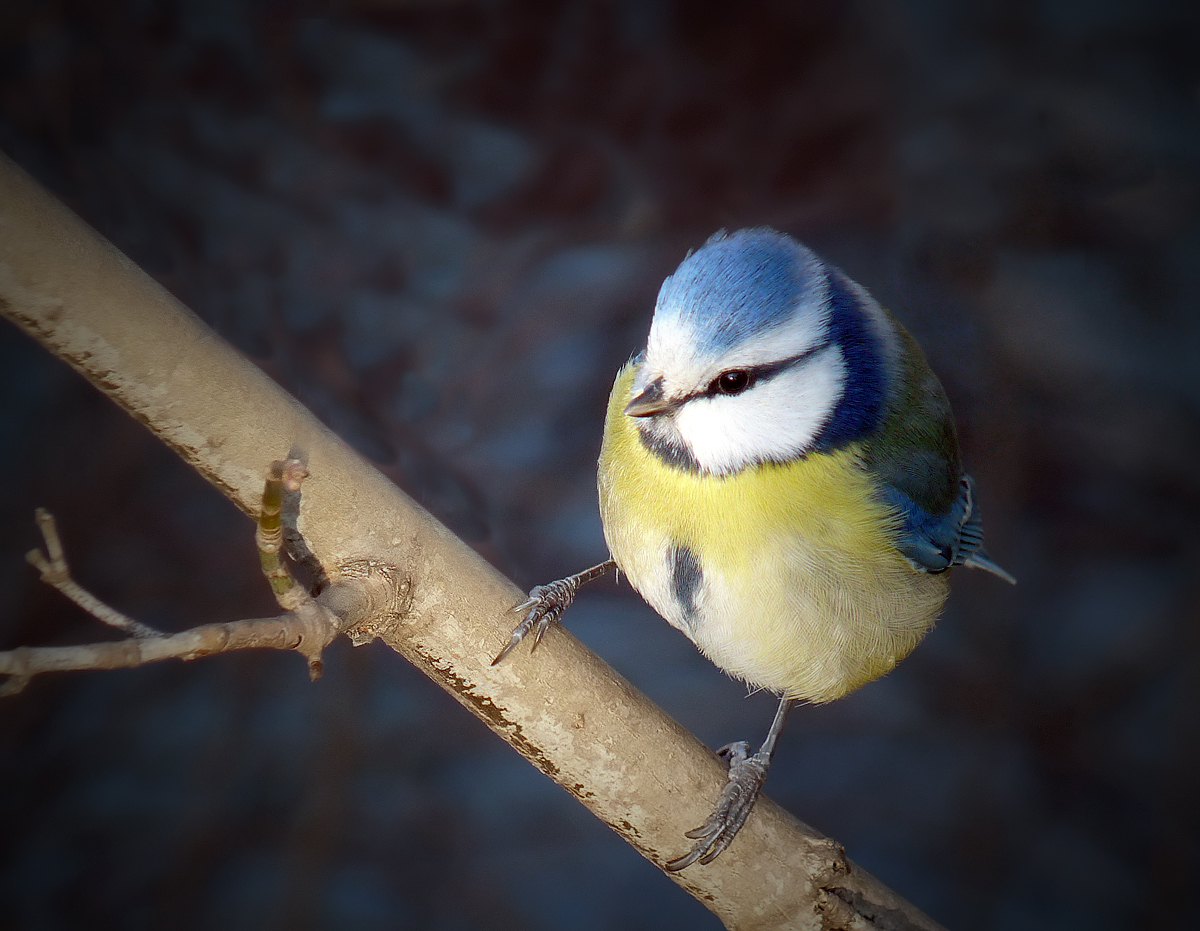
[{"x": 734, "y": 381}]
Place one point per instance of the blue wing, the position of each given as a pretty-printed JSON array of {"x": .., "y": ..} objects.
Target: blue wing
[{"x": 934, "y": 543}]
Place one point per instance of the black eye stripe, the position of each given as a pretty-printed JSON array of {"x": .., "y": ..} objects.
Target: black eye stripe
[{"x": 755, "y": 374}]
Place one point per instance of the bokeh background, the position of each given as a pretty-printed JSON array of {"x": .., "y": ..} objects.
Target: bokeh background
[{"x": 442, "y": 225}]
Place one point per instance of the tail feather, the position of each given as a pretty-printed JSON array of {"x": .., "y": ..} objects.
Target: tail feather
[{"x": 981, "y": 560}]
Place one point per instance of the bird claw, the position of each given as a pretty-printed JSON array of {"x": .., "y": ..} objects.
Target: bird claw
[
  {"x": 544, "y": 606},
  {"x": 746, "y": 777}
]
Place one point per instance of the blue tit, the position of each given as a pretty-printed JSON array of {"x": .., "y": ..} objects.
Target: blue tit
[{"x": 780, "y": 479}]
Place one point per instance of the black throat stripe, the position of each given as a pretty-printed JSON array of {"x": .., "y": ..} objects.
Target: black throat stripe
[{"x": 687, "y": 577}]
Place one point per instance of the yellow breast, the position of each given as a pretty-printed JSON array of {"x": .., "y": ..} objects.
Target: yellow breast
[{"x": 783, "y": 575}]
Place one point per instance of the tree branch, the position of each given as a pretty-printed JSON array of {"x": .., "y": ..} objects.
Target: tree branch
[
  {"x": 286, "y": 632},
  {"x": 401, "y": 576},
  {"x": 54, "y": 571},
  {"x": 307, "y": 627}
]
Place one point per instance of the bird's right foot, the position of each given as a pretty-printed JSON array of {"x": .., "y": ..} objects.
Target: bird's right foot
[{"x": 544, "y": 606}]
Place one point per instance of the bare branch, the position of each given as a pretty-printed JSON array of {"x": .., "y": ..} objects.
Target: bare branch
[
  {"x": 54, "y": 570},
  {"x": 286, "y": 632},
  {"x": 435, "y": 601},
  {"x": 282, "y": 476},
  {"x": 307, "y": 627}
]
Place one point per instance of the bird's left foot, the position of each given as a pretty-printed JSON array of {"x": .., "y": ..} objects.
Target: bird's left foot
[{"x": 746, "y": 777}]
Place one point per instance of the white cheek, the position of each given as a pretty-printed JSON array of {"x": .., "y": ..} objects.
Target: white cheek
[{"x": 774, "y": 421}]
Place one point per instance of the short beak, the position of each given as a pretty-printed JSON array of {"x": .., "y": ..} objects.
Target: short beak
[{"x": 650, "y": 401}]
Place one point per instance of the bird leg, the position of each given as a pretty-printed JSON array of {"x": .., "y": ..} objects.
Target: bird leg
[
  {"x": 746, "y": 777},
  {"x": 546, "y": 604}
]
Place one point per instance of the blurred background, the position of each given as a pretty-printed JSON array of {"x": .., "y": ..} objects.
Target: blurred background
[{"x": 442, "y": 225}]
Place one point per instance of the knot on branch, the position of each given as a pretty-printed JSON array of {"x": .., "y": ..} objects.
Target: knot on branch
[{"x": 368, "y": 597}]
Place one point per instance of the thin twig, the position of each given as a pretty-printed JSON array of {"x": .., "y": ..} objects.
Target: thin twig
[
  {"x": 307, "y": 627},
  {"x": 284, "y": 476},
  {"x": 54, "y": 572},
  {"x": 290, "y": 631}
]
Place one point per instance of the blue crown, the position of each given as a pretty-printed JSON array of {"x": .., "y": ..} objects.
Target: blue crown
[{"x": 739, "y": 284}]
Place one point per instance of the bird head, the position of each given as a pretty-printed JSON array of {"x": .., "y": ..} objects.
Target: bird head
[{"x": 753, "y": 346}]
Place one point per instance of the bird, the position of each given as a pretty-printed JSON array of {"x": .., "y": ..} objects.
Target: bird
[{"x": 780, "y": 479}]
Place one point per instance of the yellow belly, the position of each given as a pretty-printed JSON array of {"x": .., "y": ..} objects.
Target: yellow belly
[{"x": 800, "y": 589}]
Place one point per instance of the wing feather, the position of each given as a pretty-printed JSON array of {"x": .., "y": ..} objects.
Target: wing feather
[{"x": 935, "y": 543}]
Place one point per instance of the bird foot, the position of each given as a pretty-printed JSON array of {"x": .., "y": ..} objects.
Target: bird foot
[
  {"x": 544, "y": 606},
  {"x": 746, "y": 777}
]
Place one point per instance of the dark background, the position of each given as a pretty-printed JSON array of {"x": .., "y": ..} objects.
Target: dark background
[{"x": 442, "y": 227}]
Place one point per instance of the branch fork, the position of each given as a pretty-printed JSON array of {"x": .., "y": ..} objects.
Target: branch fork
[{"x": 307, "y": 627}]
